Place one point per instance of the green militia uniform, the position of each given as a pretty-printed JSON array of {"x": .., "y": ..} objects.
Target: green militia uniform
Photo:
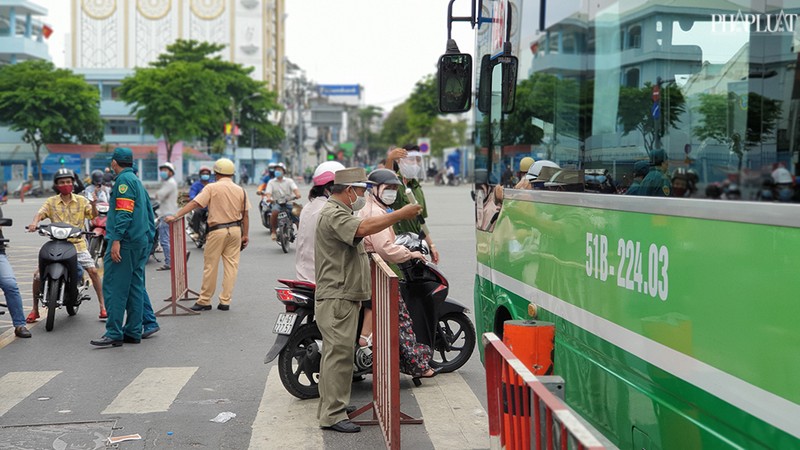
[
  {"x": 412, "y": 225},
  {"x": 130, "y": 221},
  {"x": 655, "y": 184}
]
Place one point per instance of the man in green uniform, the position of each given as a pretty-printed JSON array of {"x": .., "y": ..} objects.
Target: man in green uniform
[
  {"x": 130, "y": 229},
  {"x": 409, "y": 169},
  {"x": 657, "y": 183},
  {"x": 640, "y": 170},
  {"x": 343, "y": 282}
]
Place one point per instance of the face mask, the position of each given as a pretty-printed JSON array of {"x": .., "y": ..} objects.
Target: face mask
[
  {"x": 359, "y": 202},
  {"x": 65, "y": 189},
  {"x": 388, "y": 196},
  {"x": 278, "y": 174},
  {"x": 678, "y": 192},
  {"x": 164, "y": 174},
  {"x": 205, "y": 177}
]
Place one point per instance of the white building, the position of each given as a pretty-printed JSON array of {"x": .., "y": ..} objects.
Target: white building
[{"x": 117, "y": 34}]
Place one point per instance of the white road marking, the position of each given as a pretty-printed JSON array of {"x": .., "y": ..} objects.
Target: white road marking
[
  {"x": 283, "y": 418},
  {"x": 454, "y": 417},
  {"x": 153, "y": 390},
  {"x": 15, "y": 386}
]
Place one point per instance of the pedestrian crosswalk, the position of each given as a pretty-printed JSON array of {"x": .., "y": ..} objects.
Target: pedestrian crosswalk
[{"x": 454, "y": 417}]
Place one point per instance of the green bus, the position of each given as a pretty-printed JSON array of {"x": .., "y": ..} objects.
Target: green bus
[{"x": 676, "y": 313}]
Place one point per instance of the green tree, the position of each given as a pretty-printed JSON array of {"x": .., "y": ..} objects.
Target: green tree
[
  {"x": 635, "y": 112},
  {"x": 49, "y": 105},
  {"x": 419, "y": 116},
  {"x": 361, "y": 124},
  {"x": 250, "y": 102},
  {"x": 719, "y": 114},
  {"x": 177, "y": 102}
]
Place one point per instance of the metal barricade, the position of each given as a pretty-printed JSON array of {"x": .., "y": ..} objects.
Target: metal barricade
[
  {"x": 180, "y": 284},
  {"x": 520, "y": 405},
  {"x": 385, "y": 405}
]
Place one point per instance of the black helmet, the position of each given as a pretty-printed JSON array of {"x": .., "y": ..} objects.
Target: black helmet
[
  {"x": 63, "y": 173},
  {"x": 97, "y": 176},
  {"x": 383, "y": 176}
]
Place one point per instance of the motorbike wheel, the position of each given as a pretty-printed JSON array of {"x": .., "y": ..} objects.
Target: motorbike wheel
[
  {"x": 299, "y": 361},
  {"x": 201, "y": 240},
  {"x": 454, "y": 342},
  {"x": 52, "y": 289},
  {"x": 95, "y": 244},
  {"x": 72, "y": 309},
  {"x": 283, "y": 236}
]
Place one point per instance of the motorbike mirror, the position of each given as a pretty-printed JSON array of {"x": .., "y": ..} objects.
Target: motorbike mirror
[{"x": 454, "y": 80}]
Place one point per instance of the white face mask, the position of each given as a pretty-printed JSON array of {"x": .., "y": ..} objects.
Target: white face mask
[
  {"x": 388, "y": 196},
  {"x": 409, "y": 168},
  {"x": 359, "y": 202}
]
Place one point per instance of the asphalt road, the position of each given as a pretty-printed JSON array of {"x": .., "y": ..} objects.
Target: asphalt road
[{"x": 57, "y": 391}]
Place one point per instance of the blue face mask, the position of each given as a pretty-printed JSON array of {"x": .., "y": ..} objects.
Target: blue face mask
[
  {"x": 164, "y": 174},
  {"x": 205, "y": 177},
  {"x": 278, "y": 174}
]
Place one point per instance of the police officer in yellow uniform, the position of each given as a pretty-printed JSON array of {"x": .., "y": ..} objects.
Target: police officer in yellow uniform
[
  {"x": 227, "y": 235},
  {"x": 130, "y": 230}
]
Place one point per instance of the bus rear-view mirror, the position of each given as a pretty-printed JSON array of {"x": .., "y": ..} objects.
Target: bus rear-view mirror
[{"x": 455, "y": 82}]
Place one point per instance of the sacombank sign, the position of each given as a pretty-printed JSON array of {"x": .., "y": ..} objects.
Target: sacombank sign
[{"x": 331, "y": 90}]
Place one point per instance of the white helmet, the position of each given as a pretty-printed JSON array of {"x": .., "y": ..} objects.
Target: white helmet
[
  {"x": 325, "y": 172},
  {"x": 536, "y": 168}
]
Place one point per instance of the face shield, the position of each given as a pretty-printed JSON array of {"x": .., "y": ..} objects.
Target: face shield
[{"x": 411, "y": 166}]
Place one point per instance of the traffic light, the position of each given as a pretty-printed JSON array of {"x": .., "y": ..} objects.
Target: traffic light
[{"x": 331, "y": 157}]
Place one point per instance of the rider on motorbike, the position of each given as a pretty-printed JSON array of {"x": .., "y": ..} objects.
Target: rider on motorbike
[
  {"x": 66, "y": 207},
  {"x": 97, "y": 190},
  {"x": 199, "y": 215},
  {"x": 414, "y": 356},
  {"x": 317, "y": 197},
  {"x": 280, "y": 190}
]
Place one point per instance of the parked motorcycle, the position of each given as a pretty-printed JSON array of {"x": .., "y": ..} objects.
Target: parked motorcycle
[
  {"x": 197, "y": 226},
  {"x": 298, "y": 344},
  {"x": 62, "y": 283},
  {"x": 34, "y": 191},
  {"x": 97, "y": 238}
]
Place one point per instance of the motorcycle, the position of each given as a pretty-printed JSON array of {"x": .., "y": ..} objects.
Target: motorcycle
[
  {"x": 4, "y": 222},
  {"x": 197, "y": 231},
  {"x": 62, "y": 282},
  {"x": 288, "y": 221},
  {"x": 97, "y": 238},
  {"x": 34, "y": 191},
  {"x": 156, "y": 219},
  {"x": 298, "y": 345}
]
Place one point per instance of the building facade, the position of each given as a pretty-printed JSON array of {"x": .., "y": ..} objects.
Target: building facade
[{"x": 123, "y": 34}]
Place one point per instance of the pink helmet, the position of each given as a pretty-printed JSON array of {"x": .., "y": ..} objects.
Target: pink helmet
[{"x": 325, "y": 171}]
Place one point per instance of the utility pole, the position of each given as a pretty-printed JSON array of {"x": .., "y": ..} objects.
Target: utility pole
[{"x": 300, "y": 97}]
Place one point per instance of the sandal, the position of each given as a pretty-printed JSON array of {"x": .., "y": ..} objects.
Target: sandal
[
  {"x": 32, "y": 317},
  {"x": 367, "y": 339}
]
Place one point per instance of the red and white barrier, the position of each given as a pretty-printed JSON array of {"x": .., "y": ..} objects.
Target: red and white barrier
[
  {"x": 180, "y": 284},
  {"x": 518, "y": 404},
  {"x": 385, "y": 405}
]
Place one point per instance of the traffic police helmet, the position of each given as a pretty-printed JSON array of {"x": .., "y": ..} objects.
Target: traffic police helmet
[{"x": 224, "y": 166}]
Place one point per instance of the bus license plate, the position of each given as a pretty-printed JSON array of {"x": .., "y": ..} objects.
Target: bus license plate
[{"x": 284, "y": 324}]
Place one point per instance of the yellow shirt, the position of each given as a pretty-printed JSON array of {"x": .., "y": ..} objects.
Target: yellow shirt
[
  {"x": 75, "y": 212},
  {"x": 225, "y": 201}
]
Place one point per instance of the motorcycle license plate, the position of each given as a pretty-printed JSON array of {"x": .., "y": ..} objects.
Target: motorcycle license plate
[{"x": 284, "y": 324}]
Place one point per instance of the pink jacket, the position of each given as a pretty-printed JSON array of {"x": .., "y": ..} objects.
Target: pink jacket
[{"x": 382, "y": 242}]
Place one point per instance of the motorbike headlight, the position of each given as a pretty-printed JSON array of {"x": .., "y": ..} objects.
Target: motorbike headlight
[{"x": 60, "y": 233}]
